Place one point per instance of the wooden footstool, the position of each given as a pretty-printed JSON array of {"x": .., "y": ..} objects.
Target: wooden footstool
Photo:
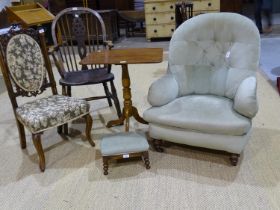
[{"x": 124, "y": 145}]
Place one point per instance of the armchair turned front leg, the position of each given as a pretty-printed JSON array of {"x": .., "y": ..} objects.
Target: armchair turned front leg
[
  {"x": 234, "y": 159},
  {"x": 157, "y": 145}
]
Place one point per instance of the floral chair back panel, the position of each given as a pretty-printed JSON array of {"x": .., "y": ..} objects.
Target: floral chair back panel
[{"x": 25, "y": 62}]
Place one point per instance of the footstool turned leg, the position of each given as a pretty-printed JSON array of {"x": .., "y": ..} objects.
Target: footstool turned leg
[
  {"x": 146, "y": 160},
  {"x": 105, "y": 165}
]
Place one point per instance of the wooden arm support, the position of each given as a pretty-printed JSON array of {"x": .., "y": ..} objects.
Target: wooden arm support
[
  {"x": 109, "y": 44},
  {"x": 58, "y": 63}
]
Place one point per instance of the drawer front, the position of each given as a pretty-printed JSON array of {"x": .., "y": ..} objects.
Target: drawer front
[
  {"x": 206, "y": 5},
  {"x": 160, "y": 7},
  {"x": 154, "y": 31},
  {"x": 160, "y": 18}
]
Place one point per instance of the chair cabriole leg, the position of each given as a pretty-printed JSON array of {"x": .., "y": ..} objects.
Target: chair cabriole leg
[
  {"x": 38, "y": 146},
  {"x": 88, "y": 129},
  {"x": 21, "y": 133}
]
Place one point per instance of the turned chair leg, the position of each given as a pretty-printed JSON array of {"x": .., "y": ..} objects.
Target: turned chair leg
[
  {"x": 105, "y": 165},
  {"x": 234, "y": 159},
  {"x": 115, "y": 99},
  {"x": 157, "y": 145},
  {"x": 88, "y": 129},
  {"x": 107, "y": 92},
  {"x": 38, "y": 146},
  {"x": 278, "y": 84},
  {"x": 21, "y": 133},
  {"x": 63, "y": 89},
  {"x": 68, "y": 91},
  {"x": 146, "y": 159}
]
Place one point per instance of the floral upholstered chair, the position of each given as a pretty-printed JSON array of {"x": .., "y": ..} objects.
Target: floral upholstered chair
[
  {"x": 27, "y": 72},
  {"x": 210, "y": 87}
]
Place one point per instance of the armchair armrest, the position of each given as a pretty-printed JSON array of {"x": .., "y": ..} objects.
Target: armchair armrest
[
  {"x": 163, "y": 90},
  {"x": 245, "y": 100}
]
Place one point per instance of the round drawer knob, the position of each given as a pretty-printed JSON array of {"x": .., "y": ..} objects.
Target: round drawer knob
[
  {"x": 172, "y": 18},
  {"x": 155, "y": 30},
  {"x": 172, "y": 29},
  {"x": 155, "y": 19},
  {"x": 154, "y": 8},
  {"x": 171, "y": 6},
  {"x": 209, "y": 4}
]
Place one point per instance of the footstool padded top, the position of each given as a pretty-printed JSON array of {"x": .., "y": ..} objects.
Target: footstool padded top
[{"x": 123, "y": 143}]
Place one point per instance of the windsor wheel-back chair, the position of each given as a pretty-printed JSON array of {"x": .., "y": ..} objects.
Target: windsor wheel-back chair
[{"x": 76, "y": 32}]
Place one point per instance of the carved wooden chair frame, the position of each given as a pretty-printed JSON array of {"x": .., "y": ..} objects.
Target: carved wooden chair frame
[{"x": 15, "y": 90}]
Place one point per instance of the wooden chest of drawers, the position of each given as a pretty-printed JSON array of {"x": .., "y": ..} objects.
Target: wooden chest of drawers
[{"x": 160, "y": 15}]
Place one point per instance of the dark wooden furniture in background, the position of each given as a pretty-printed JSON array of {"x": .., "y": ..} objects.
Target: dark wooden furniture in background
[
  {"x": 110, "y": 18},
  {"x": 84, "y": 28},
  {"x": 116, "y": 4},
  {"x": 4, "y": 19},
  {"x": 58, "y": 5},
  {"x": 129, "y": 20},
  {"x": 55, "y": 6},
  {"x": 124, "y": 57},
  {"x": 183, "y": 12},
  {"x": 231, "y": 6},
  {"x": 15, "y": 90}
]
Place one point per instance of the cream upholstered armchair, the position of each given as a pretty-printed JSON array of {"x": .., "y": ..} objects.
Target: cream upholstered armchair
[{"x": 208, "y": 96}]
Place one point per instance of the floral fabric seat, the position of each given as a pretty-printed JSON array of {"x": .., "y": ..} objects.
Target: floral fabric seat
[{"x": 51, "y": 111}]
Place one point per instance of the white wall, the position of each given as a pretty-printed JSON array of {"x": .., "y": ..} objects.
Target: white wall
[{"x": 4, "y": 3}]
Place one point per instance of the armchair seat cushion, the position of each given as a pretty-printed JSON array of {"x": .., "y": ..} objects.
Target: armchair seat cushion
[
  {"x": 50, "y": 112},
  {"x": 200, "y": 113}
]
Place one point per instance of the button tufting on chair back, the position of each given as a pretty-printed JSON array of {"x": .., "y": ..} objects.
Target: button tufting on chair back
[
  {"x": 210, "y": 87},
  {"x": 216, "y": 52}
]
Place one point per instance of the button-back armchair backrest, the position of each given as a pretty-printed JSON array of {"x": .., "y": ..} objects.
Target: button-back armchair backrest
[
  {"x": 78, "y": 31},
  {"x": 25, "y": 63},
  {"x": 213, "y": 53}
]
